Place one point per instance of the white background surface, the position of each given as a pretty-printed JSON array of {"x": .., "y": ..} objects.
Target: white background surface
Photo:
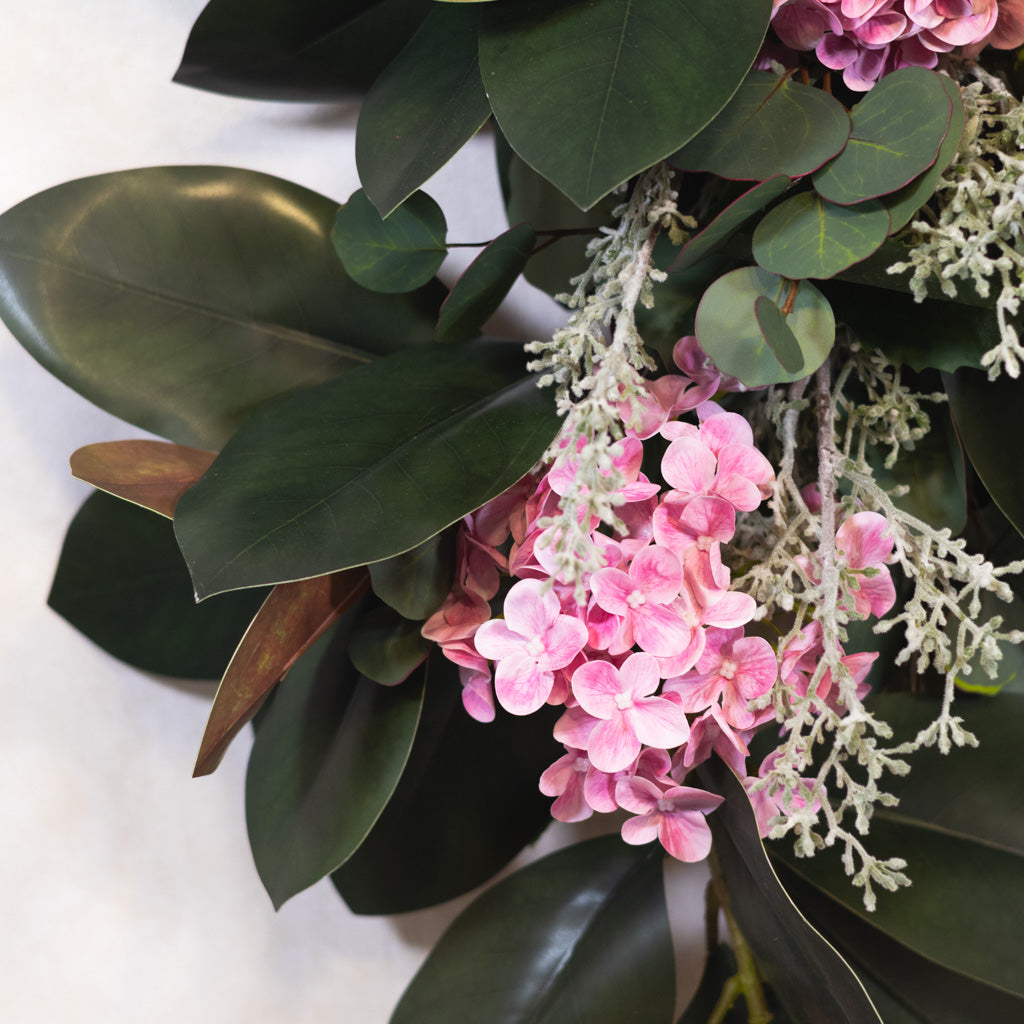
[{"x": 128, "y": 889}]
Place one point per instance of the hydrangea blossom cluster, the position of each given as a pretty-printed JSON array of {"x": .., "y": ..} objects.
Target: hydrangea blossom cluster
[
  {"x": 656, "y": 668},
  {"x": 866, "y": 39}
]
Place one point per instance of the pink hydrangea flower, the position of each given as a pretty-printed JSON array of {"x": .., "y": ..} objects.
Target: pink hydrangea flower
[
  {"x": 533, "y": 640},
  {"x": 675, "y": 816}
]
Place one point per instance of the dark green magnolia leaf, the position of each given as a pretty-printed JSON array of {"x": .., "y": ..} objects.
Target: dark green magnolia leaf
[
  {"x": 730, "y": 333},
  {"x": 314, "y": 51},
  {"x": 329, "y": 751},
  {"x": 934, "y": 473},
  {"x": 469, "y": 796},
  {"x": 385, "y": 646},
  {"x": 958, "y": 825},
  {"x": 423, "y": 108},
  {"x": 811, "y": 980},
  {"x": 484, "y": 285},
  {"x": 293, "y": 617},
  {"x": 121, "y": 580},
  {"x": 364, "y": 467},
  {"x": 905, "y": 202},
  {"x": 986, "y": 416},
  {"x": 733, "y": 217},
  {"x": 530, "y": 199},
  {"x": 581, "y": 935},
  {"x": 399, "y": 254},
  {"x": 771, "y": 126},
  {"x": 590, "y": 94},
  {"x": 804, "y": 236},
  {"x": 929, "y": 334},
  {"x": 182, "y": 298},
  {"x": 895, "y": 135},
  {"x": 906, "y": 988},
  {"x": 416, "y": 582}
]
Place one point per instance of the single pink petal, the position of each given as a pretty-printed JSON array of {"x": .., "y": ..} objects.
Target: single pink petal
[
  {"x": 530, "y": 608},
  {"x": 659, "y": 722},
  {"x": 638, "y": 831},
  {"x": 688, "y": 465},
  {"x": 658, "y": 574},
  {"x": 494, "y": 640},
  {"x": 877, "y": 594},
  {"x": 613, "y": 744},
  {"x": 597, "y": 686},
  {"x": 638, "y": 676},
  {"x": 566, "y": 637},
  {"x": 612, "y": 590},
  {"x": 865, "y": 539},
  {"x": 574, "y": 728},
  {"x": 520, "y": 685},
  {"x": 730, "y": 608},
  {"x": 661, "y": 631},
  {"x": 882, "y": 29},
  {"x": 685, "y": 835},
  {"x": 638, "y": 795},
  {"x": 719, "y": 428}
]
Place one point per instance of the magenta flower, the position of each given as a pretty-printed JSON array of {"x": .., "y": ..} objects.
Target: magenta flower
[
  {"x": 675, "y": 816},
  {"x": 629, "y": 715},
  {"x": 865, "y": 541},
  {"x": 528, "y": 645}
]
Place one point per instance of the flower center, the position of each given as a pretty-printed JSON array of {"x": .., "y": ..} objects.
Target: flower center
[
  {"x": 535, "y": 648},
  {"x": 623, "y": 701},
  {"x": 636, "y": 599},
  {"x": 728, "y": 668}
]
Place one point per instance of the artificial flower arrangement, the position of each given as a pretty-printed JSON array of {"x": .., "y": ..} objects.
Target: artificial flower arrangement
[{"x": 733, "y": 556}]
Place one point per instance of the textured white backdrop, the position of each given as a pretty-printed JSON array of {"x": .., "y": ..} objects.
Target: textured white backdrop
[{"x": 128, "y": 889}]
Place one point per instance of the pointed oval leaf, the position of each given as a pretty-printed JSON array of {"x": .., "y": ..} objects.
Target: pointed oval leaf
[
  {"x": 895, "y": 135},
  {"x": 812, "y": 981},
  {"x": 464, "y": 779},
  {"x": 958, "y": 827},
  {"x": 364, "y": 467},
  {"x": 729, "y": 331},
  {"x": 293, "y": 617},
  {"x": 481, "y": 289},
  {"x": 804, "y": 236},
  {"x": 152, "y": 474},
  {"x": 733, "y": 217},
  {"x": 385, "y": 646},
  {"x": 122, "y": 582},
  {"x": 771, "y": 126},
  {"x": 905, "y": 202},
  {"x": 161, "y": 296},
  {"x": 303, "y": 50},
  {"x": 417, "y": 581},
  {"x": 399, "y": 254},
  {"x": 591, "y": 94},
  {"x": 986, "y": 414},
  {"x": 422, "y": 109},
  {"x": 328, "y": 753},
  {"x": 546, "y": 946}
]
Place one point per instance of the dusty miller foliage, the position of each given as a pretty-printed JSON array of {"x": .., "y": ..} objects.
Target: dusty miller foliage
[
  {"x": 977, "y": 233},
  {"x": 943, "y": 629}
]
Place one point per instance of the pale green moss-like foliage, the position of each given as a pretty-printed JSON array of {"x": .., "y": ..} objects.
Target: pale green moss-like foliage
[{"x": 977, "y": 233}]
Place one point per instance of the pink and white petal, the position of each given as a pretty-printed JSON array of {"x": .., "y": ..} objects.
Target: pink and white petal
[
  {"x": 658, "y": 722},
  {"x": 574, "y": 728},
  {"x": 494, "y": 640},
  {"x": 865, "y": 539},
  {"x": 731, "y": 608},
  {"x": 641, "y": 830},
  {"x": 477, "y": 694},
  {"x": 720, "y": 428},
  {"x": 612, "y": 589},
  {"x": 757, "y": 668},
  {"x": 521, "y": 685},
  {"x": 565, "y": 638},
  {"x": 708, "y": 520},
  {"x": 597, "y": 685},
  {"x": 637, "y": 795},
  {"x": 530, "y": 608},
  {"x": 658, "y": 573},
  {"x": 685, "y": 835},
  {"x": 689, "y": 465},
  {"x": 745, "y": 461},
  {"x": 682, "y": 662},
  {"x": 740, "y": 492},
  {"x": 613, "y": 745},
  {"x": 638, "y": 675},
  {"x": 599, "y": 790},
  {"x": 661, "y": 631},
  {"x": 877, "y": 594},
  {"x": 696, "y": 692}
]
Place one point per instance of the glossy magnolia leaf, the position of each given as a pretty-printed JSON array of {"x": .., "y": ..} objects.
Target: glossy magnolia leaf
[
  {"x": 986, "y": 414},
  {"x": 416, "y": 582},
  {"x": 811, "y": 980},
  {"x": 398, "y": 254},
  {"x": 895, "y": 135},
  {"x": 329, "y": 751},
  {"x": 385, "y": 646},
  {"x": 307, "y": 50},
  {"x": 906, "y": 988},
  {"x": 933, "y": 474},
  {"x": 805, "y": 236},
  {"x": 930, "y": 334},
  {"x": 469, "y": 795},
  {"x": 530, "y": 199},
  {"x": 293, "y": 617},
  {"x": 422, "y": 109},
  {"x": 591, "y": 94},
  {"x": 161, "y": 295},
  {"x": 729, "y": 330},
  {"x": 153, "y": 474},
  {"x": 364, "y": 467},
  {"x": 958, "y": 826},
  {"x": 733, "y": 217},
  {"x": 905, "y": 202},
  {"x": 484, "y": 285},
  {"x": 122, "y": 582},
  {"x": 581, "y": 935},
  {"x": 771, "y": 126}
]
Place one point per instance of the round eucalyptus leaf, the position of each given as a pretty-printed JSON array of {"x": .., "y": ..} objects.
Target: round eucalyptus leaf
[
  {"x": 399, "y": 253},
  {"x": 731, "y": 332}
]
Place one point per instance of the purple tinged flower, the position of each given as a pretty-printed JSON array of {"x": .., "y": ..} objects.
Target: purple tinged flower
[
  {"x": 675, "y": 816},
  {"x": 532, "y": 641}
]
